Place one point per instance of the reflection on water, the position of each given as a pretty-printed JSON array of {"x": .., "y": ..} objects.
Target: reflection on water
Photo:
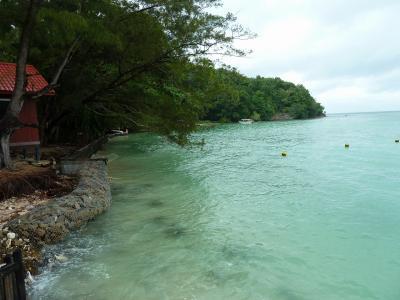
[{"x": 234, "y": 219}]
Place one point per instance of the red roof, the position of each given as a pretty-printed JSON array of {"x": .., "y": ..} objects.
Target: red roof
[{"x": 36, "y": 82}]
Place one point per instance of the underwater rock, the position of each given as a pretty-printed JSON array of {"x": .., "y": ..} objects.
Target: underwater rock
[
  {"x": 156, "y": 203},
  {"x": 159, "y": 219},
  {"x": 175, "y": 231},
  {"x": 61, "y": 258}
]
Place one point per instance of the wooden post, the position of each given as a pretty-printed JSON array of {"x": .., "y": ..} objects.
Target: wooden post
[
  {"x": 37, "y": 152},
  {"x": 2, "y": 290},
  {"x": 12, "y": 278},
  {"x": 20, "y": 274},
  {"x": 9, "y": 282}
]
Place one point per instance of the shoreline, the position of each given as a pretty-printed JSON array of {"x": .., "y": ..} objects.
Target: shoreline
[
  {"x": 211, "y": 124},
  {"x": 51, "y": 222}
]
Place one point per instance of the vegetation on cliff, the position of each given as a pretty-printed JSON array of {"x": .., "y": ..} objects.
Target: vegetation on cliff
[{"x": 229, "y": 96}]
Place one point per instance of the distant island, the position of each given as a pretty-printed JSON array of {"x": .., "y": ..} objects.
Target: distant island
[{"x": 261, "y": 99}]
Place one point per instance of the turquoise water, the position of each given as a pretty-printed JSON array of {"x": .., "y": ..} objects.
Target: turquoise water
[{"x": 235, "y": 220}]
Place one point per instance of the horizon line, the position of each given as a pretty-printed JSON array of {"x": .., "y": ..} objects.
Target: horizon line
[{"x": 363, "y": 112}]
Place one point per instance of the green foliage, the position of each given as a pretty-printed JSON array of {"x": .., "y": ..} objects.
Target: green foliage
[
  {"x": 238, "y": 97},
  {"x": 255, "y": 116},
  {"x": 129, "y": 69}
]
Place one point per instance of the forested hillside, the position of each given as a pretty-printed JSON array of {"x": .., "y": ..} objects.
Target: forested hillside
[{"x": 233, "y": 96}]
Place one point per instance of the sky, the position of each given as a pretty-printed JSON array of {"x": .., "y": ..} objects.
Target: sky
[{"x": 346, "y": 52}]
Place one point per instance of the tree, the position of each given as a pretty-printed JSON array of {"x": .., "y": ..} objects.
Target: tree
[
  {"x": 10, "y": 120},
  {"x": 129, "y": 62},
  {"x": 258, "y": 98}
]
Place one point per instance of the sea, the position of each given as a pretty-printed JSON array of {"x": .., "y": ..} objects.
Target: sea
[{"x": 229, "y": 217}]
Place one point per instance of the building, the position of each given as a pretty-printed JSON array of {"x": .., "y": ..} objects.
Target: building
[{"x": 27, "y": 137}]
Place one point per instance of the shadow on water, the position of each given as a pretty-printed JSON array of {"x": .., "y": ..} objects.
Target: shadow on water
[
  {"x": 287, "y": 294},
  {"x": 236, "y": 253},
  {"x": 117, "y": 189},
  {"x": 155, "y": 203},
  {"x": 175, "y": 231},
  {"x": 122, "y": 190},
  {"x": 221, "y": 276},
  {"x": 159, "y": 220},
  {"x": 141, "y": 188}
]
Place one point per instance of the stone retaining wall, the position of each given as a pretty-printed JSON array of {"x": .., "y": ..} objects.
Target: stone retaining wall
[{"x": 51, "y": 222}]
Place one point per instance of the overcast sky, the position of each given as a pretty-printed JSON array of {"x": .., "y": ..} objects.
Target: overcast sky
[{"x": 346, "y": 52}]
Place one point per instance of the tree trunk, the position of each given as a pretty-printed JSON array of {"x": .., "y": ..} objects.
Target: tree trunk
[
  {"x": 7, "y": 126},
  {"x": 10, "y": 121},
  {"x": 5, "y": 157}
]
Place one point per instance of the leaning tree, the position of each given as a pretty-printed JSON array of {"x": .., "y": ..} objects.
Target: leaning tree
[{"x": 128, "y": 61}]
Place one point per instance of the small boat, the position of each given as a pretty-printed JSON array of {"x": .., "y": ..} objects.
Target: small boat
[
  {"x": 118, "y": 132},
  {"x": 246, "y": 121}
]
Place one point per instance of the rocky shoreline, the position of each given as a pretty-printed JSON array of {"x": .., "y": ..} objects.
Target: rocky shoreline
[{"x": 51, "y": 222}]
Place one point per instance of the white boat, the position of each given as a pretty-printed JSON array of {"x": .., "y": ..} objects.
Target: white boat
[
  {"x": 246, "y": 121},
  {"x": 118, "y": 132}
]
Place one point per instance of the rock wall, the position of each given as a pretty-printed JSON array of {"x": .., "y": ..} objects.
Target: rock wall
[
  {"x": 51, "y": 223},
  {"x": 281, "y": 117}
]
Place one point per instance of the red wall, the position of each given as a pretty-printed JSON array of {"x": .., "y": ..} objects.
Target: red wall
[{"x": 27, "y": 136}]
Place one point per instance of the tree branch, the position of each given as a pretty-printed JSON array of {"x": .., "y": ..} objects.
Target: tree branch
[
  {"x": 59, "y": 71},
  {"x": 140, "y": 11}
]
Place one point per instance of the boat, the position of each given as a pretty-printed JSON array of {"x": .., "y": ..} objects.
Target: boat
[
  {"x": 117, "y": 132},
  {"x": 246, "y": 121}
]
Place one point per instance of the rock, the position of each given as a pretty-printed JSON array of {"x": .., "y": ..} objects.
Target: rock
[
  {"x": 281, "y": 117},
  {"x": 18, "y": 243},
  {"x": 29, "y": 278},
  {"x": 11, "y": 235},
  {"x": 61, "y": 258},
  {"x": 40, "y": 232}
]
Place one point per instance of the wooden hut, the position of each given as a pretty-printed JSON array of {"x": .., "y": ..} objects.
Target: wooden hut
[{"x": 27, "y": 137}]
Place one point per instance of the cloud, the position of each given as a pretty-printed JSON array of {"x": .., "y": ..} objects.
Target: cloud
[{"x": 346, "y": 52}]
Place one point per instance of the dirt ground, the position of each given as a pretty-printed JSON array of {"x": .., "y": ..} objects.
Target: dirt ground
[
  {"x": 28, "y": 178},
  {"x": 28, "y": 185}
]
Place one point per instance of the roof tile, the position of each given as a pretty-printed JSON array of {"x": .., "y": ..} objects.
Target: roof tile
[{"x": 36, "y": 82}]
